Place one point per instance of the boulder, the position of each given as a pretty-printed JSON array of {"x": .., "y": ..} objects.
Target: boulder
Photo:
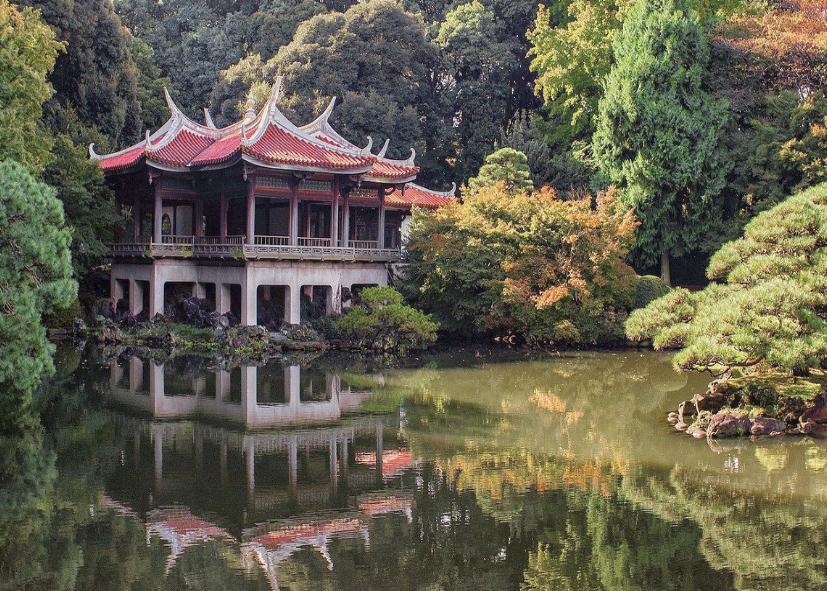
[
  {"x": 103, "y": 307},
  {"x": 767, "y": 426},
  {"x": 728, "y": 424},
  {"x": 79, "y": 329},
  {"x": 816, "y": 409}
]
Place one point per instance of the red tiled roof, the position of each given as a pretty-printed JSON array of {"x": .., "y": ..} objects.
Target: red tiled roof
[
  {"x": 181, "y": 149},
  {"x": 419, "y": 196},
  {"x": 390, "y": 170},
  {"x": 184, "y": 143},
  {"x": 280, "y": 146}
]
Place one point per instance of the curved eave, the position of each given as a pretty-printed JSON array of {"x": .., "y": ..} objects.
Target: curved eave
[
  {"x": 124, "y": 169},
  {"x": 301, "y": 167},
  {"x": 390, "y": 181}
]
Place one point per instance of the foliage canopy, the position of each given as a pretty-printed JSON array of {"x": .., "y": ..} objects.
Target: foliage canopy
[{"x": 768, "y": 303}]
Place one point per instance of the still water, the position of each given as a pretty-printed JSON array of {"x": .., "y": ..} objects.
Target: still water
[{"x": 469, "y": 470}]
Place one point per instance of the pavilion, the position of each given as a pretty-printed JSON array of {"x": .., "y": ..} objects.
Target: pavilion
[{"x": 256, "y": 213}]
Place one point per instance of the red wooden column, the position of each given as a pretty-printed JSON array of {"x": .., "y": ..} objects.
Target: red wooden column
[
  {"x": 158, "y": 214},
  {"x": 334, "y": 215},
  {"x": 251, "y": 210},
  {"x": 294, "y": 213},
  {"x": 198, "y": 226},
  {"x": 222, "y": 223},
  {"x": 346, "y": 219},
  {"x": 381, "y": 235},
  {"x": 136, "y": 219}
]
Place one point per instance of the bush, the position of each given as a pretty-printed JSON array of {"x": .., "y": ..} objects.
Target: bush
[
  {"x": 649, "y": 288},
  {"x": 525, "y": 264},
  {"x": 63, "y": 317},
  {"x": 383, "y": 322}
]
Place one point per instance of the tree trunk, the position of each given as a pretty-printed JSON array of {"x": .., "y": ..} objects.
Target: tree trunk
[{"x": 664, "y": 269}]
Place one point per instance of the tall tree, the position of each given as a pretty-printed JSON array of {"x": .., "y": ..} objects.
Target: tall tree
[
  {"x": 35, "y": 275},
  {"x": 27, "y": 55},
  {"x": 479, "y": 66},
  {"x": 659, "y": 133},
  {"x": 95, "y": 80}
]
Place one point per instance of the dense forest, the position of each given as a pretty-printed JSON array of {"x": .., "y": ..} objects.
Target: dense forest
[{"x": 455, "y": 81}]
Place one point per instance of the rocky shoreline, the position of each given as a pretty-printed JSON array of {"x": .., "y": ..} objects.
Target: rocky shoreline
[{"x": 756, "y": 408}]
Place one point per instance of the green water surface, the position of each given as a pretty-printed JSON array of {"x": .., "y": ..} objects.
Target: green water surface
[{"x": 463, "y": 470}]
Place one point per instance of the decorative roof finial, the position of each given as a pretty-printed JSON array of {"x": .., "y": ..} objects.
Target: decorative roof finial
[
  {"x": 384, "y": 149},
  {"x": 411, "y": 159},
  {"x": 147, "y": 143},
  {"x": 244, "y": 132},
  {"x": 366, "y": 149},
  {"x": 92, "y": 153},
  {"x": 208, "y": 118},
  {"x": 453, "y": 191},
  {"x": 251, "y": 107}
]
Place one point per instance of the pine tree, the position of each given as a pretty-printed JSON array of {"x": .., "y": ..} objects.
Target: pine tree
[
  {"x": 506, "y": 166},
  {"x": 35, "y": 276}
]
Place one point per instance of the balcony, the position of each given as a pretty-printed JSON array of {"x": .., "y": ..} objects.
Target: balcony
[{"x": 264, "y": 248}]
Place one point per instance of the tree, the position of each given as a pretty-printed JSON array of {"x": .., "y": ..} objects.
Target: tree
[
  {"x": 95, "y": 80},
  {"x": 27, "y": 55},
  {"x": 526, "y": 264},
  {"x": 88, "y": 203},
  {"x": 479, "y": 65},
  {"x": 506, "y": 166},
  {"x": 768, "y": 303},
  {"x": 572, "y": 61},
  {"x": 382, "y": 321},
  {"x": 658, "y": 131},
  {"x": 35, "y": 275},
  {"x": 523, "y": 135},
  {"x": 151, "y": 84},
  {"x": 377, "y": 59}
]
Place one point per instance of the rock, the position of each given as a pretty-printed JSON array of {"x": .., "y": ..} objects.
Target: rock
[
  {"x": 103, "y": 307},
  {"x": 219, "y": 332},
  {"x": 728, "y": 424},
  {"x": 816, "y": 409},
  {"x": 699, "y": 434},
  {"x": 685, "y": 409},
  {"x": 806, "y": 427},
  {"x": 767, "y": 426},
  {"x": 79, "y": 329},
  {"x": 712, "y": 401},
  {"x": 681, "y": 426},
  {"x": 672, "y": 418},
  {"x": 222, "y": 322},
  {"x": 278, "y": 338}
]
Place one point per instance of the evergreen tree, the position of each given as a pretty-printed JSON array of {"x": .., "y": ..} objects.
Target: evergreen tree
[
  {"x": 658, "y": 132},
  {"x": 35, "y": 275},
  {"x": 506, "y": 166},
  {"x": 95, "y": 79},
  {"x": 27, "y": 55}
]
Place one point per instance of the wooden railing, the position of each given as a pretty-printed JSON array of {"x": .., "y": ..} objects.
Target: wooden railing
[
  {"x": 265, "y": 247},
  {"x": 364, "y": 244},
  {"x": 273, "y": 240},
  {"x": 219, "y": 246},
  {"x": 313, "y": 241}
]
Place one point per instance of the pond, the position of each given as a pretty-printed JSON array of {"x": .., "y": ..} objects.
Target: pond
[{"x": 465, "y": 470}]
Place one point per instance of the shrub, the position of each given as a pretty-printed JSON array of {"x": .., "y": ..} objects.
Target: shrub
[
  {"x": 525, "y": 264},
  {"x": 649, "y": 288},
  {"x": 382, "y": 321},
  {"x": 63, "y": 317}
]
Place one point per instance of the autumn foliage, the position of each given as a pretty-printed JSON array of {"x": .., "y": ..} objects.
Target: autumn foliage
[{"x": 529, "y": 265}]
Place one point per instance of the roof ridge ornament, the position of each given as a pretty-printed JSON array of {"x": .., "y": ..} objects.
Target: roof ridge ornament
[
  {"x": 366, "y": 150},
  {"x": 250, "y": 114},
  {"x": 92, "y": 154},
  {"x": 412, "y": 158},
  {"x": 173, "y": 108},
  {"x": 147, "y": 143},
  {"x": 208, "y": 118},
  {"x": 384, "y": 149},
  {"x": 453, "y": 191}
]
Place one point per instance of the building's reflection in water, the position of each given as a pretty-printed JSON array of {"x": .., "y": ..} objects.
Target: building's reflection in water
[{"x": 305, "y": 468}]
